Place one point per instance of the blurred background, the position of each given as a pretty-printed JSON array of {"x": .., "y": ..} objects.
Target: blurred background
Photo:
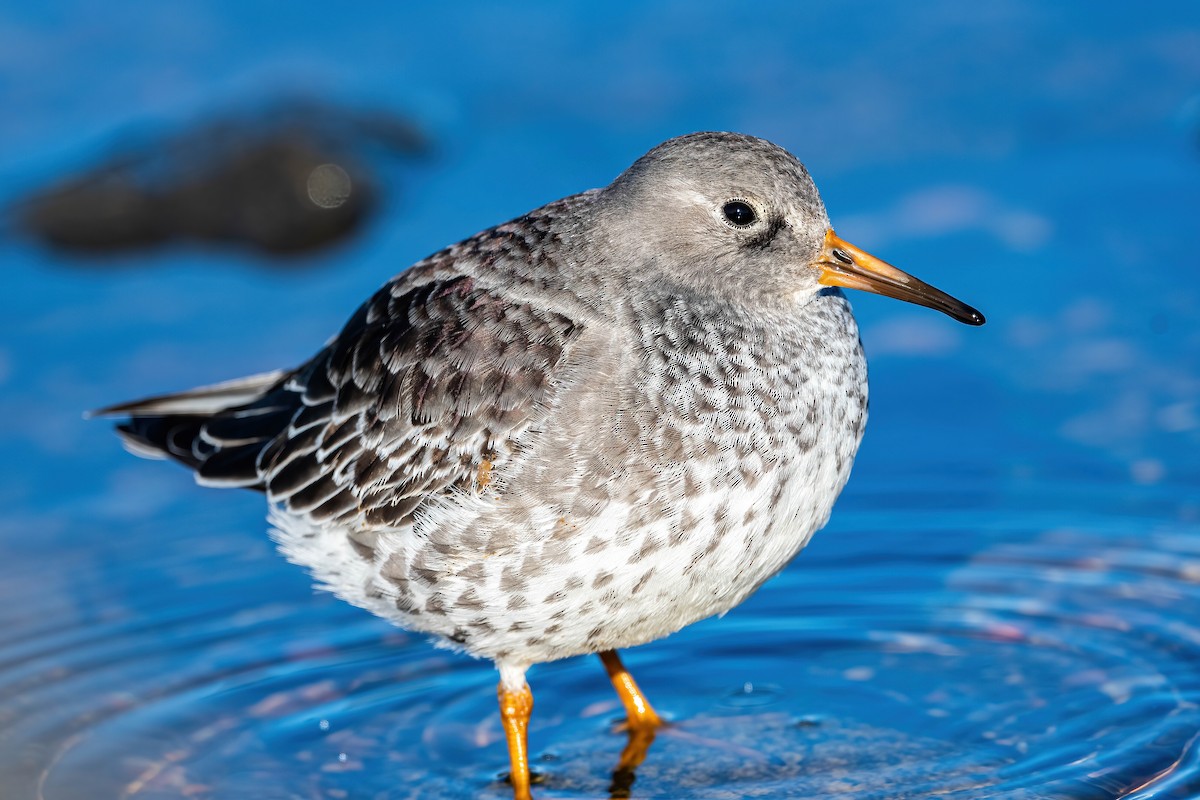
[{"x": 1006, "y": 602}]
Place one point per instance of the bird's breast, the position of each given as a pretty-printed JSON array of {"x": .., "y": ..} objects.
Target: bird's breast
[
  {"x": 739, "y": 437},
  {"x": 687, "y": 467}
]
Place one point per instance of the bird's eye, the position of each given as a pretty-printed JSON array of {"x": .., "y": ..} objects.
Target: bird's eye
[{"x": 739, "y": 213}]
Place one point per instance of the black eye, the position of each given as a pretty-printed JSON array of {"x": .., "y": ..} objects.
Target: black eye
[{"x": 739, "y": 213}]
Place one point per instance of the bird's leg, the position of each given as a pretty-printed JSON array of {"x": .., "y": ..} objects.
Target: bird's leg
[
  {"x": 643, "y": 721},
  {"x": 638, "y": 711},
  {"x": 516, "y": 705}
]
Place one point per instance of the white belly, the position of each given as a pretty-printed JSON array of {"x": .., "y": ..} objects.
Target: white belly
[{"x": 597, "y": 543}]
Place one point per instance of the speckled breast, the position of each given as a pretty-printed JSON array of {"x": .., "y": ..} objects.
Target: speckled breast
[{"x": 713, "y": 450}]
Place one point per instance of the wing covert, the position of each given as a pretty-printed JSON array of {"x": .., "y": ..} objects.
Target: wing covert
[{"x": 423, "y": 385}]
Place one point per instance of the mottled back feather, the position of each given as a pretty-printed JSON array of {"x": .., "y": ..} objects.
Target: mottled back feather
[{"x": 426, "y": 383}]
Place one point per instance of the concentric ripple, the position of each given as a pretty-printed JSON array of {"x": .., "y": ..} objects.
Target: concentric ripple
[{"x": 964, "y": 643}]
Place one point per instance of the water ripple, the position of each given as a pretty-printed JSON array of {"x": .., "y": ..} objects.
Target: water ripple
[{"x": 907, "y": 654}]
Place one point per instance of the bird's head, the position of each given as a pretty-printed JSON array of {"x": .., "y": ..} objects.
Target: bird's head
[{"x": 730, "y": 214}]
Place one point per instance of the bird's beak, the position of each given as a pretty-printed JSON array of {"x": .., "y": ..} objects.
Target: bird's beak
[{"x": 843, "y": 264}]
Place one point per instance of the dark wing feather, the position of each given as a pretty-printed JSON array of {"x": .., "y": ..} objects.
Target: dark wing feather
[{"x": 424, "y": 383}]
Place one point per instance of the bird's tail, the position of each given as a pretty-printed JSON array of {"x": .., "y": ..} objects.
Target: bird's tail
[{"x": 177, "y": 426}]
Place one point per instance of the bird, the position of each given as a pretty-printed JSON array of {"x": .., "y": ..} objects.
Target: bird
[{"x": 575, "y": 432}]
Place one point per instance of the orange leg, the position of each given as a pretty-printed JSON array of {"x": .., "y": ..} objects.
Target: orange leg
[
  {"x": 642, "y": 719},
  {"x": 515, "y": 709}
]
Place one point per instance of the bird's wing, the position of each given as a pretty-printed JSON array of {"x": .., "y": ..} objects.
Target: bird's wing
[
  {"x": 201, "y": 400},
  {"x": 428, "y": 384}
]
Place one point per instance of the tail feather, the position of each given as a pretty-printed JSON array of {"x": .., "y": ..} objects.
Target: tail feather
[
  {"x": 173, "y": 437},
  {"x": 242, "y": 426},
  {"x": 232, "y": 467},
  {"x": 203, "y": 400},
  {"x": 216, "y": 430}
]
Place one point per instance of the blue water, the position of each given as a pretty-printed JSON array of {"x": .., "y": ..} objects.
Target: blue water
[{"x": 1006, "y": 603}]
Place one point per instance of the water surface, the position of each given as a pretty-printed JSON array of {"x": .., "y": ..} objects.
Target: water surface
[{"x": 1006, "y": 603}]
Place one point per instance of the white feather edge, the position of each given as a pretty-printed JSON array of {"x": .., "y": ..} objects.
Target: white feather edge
[{"x": 201, "y": 400}]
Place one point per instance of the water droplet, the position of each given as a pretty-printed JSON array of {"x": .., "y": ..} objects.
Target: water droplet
[{"x": 750, "y": 695}]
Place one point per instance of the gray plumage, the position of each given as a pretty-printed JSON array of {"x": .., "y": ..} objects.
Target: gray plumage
[{"x": 577, "y": 431}]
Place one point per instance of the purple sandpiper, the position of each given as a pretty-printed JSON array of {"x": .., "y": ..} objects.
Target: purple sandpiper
[{"x": 575, "y": 432}]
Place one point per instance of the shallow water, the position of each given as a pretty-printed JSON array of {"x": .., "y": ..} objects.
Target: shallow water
[
  {"x": 1006, "y": 603},
  {"x": 962, "y": 645}
]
